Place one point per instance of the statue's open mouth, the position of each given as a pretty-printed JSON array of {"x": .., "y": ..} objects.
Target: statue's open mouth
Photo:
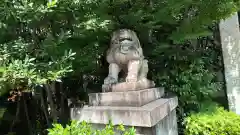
[
  {"x": 125, "y": 38},
  {"x": 126, "y": 43}
]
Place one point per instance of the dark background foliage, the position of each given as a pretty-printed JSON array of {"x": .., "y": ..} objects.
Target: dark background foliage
[{"x": 56, "y": 50}]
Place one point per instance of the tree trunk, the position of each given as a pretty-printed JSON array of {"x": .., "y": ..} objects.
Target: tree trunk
[
  {"x": 27, "y": 116},
  {"x": 53, "y": 108},
  {"x": 17, "y": 115},
  {"x": 44, "y": 107}
]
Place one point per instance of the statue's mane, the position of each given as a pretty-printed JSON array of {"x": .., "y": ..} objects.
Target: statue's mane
[
  {"x": 114, "y": 46},
  {"x": 116, "y": 34}
]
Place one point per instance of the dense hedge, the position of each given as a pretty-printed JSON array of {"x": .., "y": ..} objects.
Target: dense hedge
[{"x": 215, "y": 121}]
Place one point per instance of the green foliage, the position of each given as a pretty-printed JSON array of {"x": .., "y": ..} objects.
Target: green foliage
[
  {"x": 42, "y": 41},
  {"x": 84, "y": 128},
  {"x": 180, "y": 20},
  {"x": 188, "y": 72},
  {"x": 192, "y": 82},
  {"x": 20, "y": 69},
  {"x": 86, "y": 25},
  {"x": 213, "y": 121}
]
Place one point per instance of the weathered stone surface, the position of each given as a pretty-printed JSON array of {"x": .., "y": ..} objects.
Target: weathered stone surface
[
  {"x": 125, "y": 54},
  {"x": 145, "y": 116},
  {"x": 128, "y": 98},
  {"x": 167, "y": 126},
  {"x": 230, "y": 39},
  {"x": 133, "y": 86}
]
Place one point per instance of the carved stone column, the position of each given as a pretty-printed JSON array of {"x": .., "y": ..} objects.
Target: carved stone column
[{"x": 230, "y": 38}]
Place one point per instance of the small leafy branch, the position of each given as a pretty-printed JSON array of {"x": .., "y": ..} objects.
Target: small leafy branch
[{"x": 84, "y": 128}]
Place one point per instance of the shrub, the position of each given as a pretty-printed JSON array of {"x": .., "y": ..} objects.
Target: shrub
[
  {"x": 190, "y": 79},
  {"x": 84, "y": 128},
  {"x": 213, "y": 121}
]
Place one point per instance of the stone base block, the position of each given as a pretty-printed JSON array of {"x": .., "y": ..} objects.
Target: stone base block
[
  {"x": 128, "y": 98},
  {"x": 132, "y": 86},
  {"x": 148, "y": 115},
  {"x": 167, "y": 126}
]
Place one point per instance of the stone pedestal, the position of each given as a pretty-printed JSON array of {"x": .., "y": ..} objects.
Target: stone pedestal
[
  {"x": 147, "y": 110},
  {"x": 132, "y": 86}
]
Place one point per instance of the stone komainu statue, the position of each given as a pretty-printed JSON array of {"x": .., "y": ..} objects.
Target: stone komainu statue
[{"x": 125, "y": 53}]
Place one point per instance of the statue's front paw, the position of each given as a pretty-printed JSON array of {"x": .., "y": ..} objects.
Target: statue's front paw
[
  {"x": 131, "y": 79},
  {"x": 110, "y": 80},
  {"x": 106, "y": 88}
]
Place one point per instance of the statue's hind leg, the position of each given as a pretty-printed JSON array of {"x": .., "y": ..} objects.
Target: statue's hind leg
[
  {"x": 143, "y": 75},
  {"x": 133, "y": 70},
  {"x": 143, "y": 70}
]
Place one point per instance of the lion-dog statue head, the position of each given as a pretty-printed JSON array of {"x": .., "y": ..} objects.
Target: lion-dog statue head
[{"x": 124, "y": 46}]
